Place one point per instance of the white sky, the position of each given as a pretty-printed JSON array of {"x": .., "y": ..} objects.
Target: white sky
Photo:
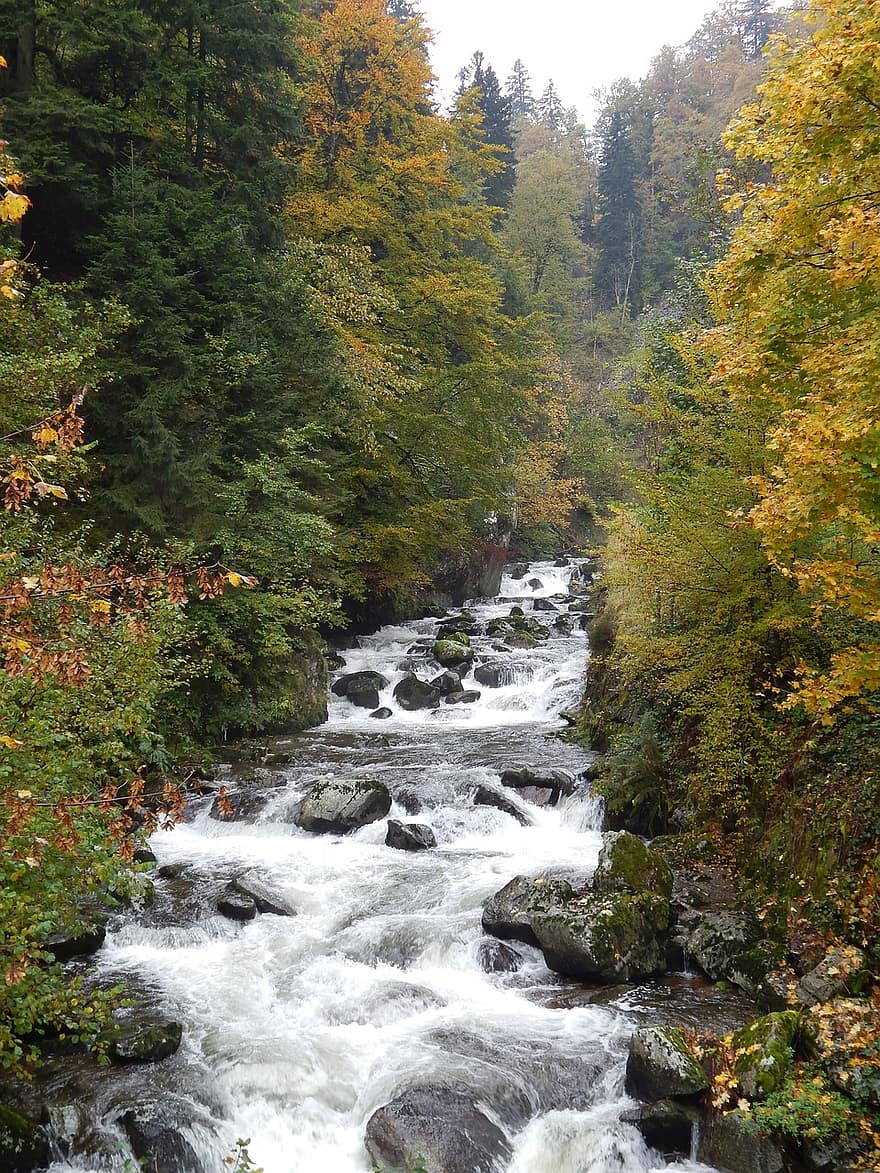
[{"x": 583, "y": 45}]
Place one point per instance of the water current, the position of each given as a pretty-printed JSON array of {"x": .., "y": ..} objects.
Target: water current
[{"x": 296, "y": 1029}]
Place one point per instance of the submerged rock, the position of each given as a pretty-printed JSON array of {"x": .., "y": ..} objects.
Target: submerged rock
[
  {"x": 442, "y": 1126},
  {"x": 242, "y": 803},
  {"x": 266, "y": 899},
  {"x": 24, "y": 1146},
  {"x": 338, "y": 807},
  {"x": 413, "y": 694},
  {"x": 409, "y": 836},
  {"x": 660, "y": 1064}
]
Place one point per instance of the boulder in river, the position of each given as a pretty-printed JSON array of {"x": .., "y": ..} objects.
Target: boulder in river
[
  {"x": 442, "y": 1126},
  {"x": 521, "y": 641},
  {"x": 501, "y": 627},
  {"x": 266, "y": 899},
  {"x": 413, "y": 694},
  {"x": 24, "y": 1146},
  {"x": 543, "y": 605},
  {"x": 358, "y": 682},
  {"x": 447, "y": 682},
  {"x": 145, "y": 1039},
  {"x": 731, "y": 1142},
  {"x": 535, "y": 584},
  {"x": 242, "y": 803},
  {"x": 497, "y": 956},
  {"x": 156, "y": 1140},
  {"x": 236, "y": 905},
  {"x": 382, "y": 714},
  {"x": 660, "y": 1064},
  {"x": 508, "y": 914},
  {"x": 486, "y": 796},
  {"x": 468, "y": 697},
  {"x": 720, "y": 938},
  {"x": 409, "y": 836},
  {"x": 491, "y": 675},
  {"x": 83, "y": 934},
  {"x": 542, "y": 787},
  {"x": 667, "y": 1126},
  {"x": 628, "y": 864},
  {"x": 449, "y": 652},
  {"x": 518, "y": 571},
  {"x": 339, "y": 806}
]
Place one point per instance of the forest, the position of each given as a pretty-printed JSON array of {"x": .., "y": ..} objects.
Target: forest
[{"x": 290, "y": 349}]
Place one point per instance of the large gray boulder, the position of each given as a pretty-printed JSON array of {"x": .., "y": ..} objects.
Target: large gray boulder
[
  {"x": 491, "y": 675},
  {"x": 447, "y": 682},
  {"x": 720, "y": 938},
  {"x": 339, "y": 807},
  {"x": 543, "y": 787},
  {"x": 409, "y": 836},
  {"x": 145, "y": 1038},
  {"x": 508, "y": 914},
  {"x": 413, "y": 694},
  {"x": 732, "y": 1143},
  {"x": 604, "y": 938},
  {"x": 441, "y": 1126},
  {"x": 627, "y": 864},
  {"x": 358, "y": 682},
  {"x": 266, "y": 899},
  {"x": 486, "y": 796},
  {"x": 660, "y": 1064}
]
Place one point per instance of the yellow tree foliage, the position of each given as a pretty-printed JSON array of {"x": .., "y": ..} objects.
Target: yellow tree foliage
[
  {"x": 798, "y": 299},
  {"x": 546, "y": 493}
]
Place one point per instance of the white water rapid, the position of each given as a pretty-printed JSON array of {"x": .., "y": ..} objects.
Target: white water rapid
[{"x": 296, "y": 1029}]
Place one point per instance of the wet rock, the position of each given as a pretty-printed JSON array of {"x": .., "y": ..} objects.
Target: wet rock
[
  {"x": 338, "y": 807},
  {"x": 516, "y": 612},
  {"x": 382, "y": 714},
  {"x": 246, "y": 802},
  {"x": 82, "y": 935},
  {"x": 509, "y": 913},
  {"x": 666, "y": 1126},
  {"x": 413, "y": 694},
  {"x": 531, "y": 782},
  {"x": 569, "y": 716},
  {"x": 363, "y": 697},
  {"x": 626, "y": 864},
  {"x": 543, "y": 605},
  {"x": 486, "y": 796},
  {"x": 535, "y": 584},
  {"x": 720, "y": 938},
  {"x": 521, "y": 641},
  {"x": 236, "y": 906},
  {"x": 441, "y": 1125},
  {"x": 334, "y": 661},
  {"x": 172, "y": 871},
  {"x": 490, "y": 675},
  {"x": 145, "y": 1039},
  {"x": 606, "y": 938},
  {"x": 449, "y": 652},
  {"x": 563, "y": 625},
  {"x": 660, "y": 1064},
  {"x": 409, "y": 836},
  {"x": 496, "y": 956},
  {"x": 358, "y": 682},
  {"x": 731, "y": 1143},
  {"x": 843, "y": 970},
  {"x": 156, "y": 1142},
  {"x": 518, "y": 571},
  {"x": 765, "y": 1052},
  {"x": 469, "y": 697},
  {"x": 24, "y": 1146},
  {"x": 266, "y": 899},
  {"x": 501, "y": 628},
  {"x": 408, "y": 798},
  {"x": 144, "y": 855},
  {"x": 447, "y": 682},
  {"x": 560, "y": 562}
]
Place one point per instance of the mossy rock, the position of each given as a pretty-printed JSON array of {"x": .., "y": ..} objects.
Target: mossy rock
[
  {"x": 508, "y": 914},
  {"x": 24, "y": 1146},
  {"x": 731, "y": 1142},
  {"x": 660, "y": 1064},
  {"x": 448, "y": 652},
  {"x": 765, "y": 1052},
  {"x": 627, "y": 864},
  {"x": 145, "y": 1040}
]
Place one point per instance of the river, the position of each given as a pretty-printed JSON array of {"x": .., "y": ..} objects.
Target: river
[{"x": 297, "y": 1028}]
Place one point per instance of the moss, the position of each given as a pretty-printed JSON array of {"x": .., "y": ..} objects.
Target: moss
[
  {"x": 23, "y": 1144},
  {"x": 628, "y": 864},
  {"x": 765, "y": 1052},
  {"x": 448, "y": 651}
]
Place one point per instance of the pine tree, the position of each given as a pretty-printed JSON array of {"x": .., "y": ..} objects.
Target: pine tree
[
  {"x": 497, "y": 125},
  {"x": 551, "y": 112},
  {"x": 519, "y": 92},
  {"x": 618, "y": 229}
]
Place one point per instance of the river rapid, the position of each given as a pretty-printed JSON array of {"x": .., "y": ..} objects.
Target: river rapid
[{"x": 296, "y": 1029}]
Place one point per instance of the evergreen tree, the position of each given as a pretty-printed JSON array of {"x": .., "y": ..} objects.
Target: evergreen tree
[
  {"x": 551, "y": 112},
  {"x": 497, "y": 125},
  {"x": 617, "y": 235},
  {"x": 519, "y": 92}
]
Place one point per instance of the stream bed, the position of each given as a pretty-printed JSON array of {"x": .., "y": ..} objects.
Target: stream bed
[{"x": 297, "y": 1028}]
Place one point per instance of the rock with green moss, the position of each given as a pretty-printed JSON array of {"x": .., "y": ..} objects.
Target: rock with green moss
[
  {"x": 764, "y": 1052},
  {"x": 720, "y": 938},
  {"x": 448, "y": 652},
  {"x": 611, "y": 937},
  {"x": 843, "y": 970},
  {"x": 24, "y": 1146},
  {"x": 508, "y": 914},
  {"x": 521, "y": 640},
  {"x": 338, "y": 806},
  {"x": 753, "y": 971},
  {"x": 660, "y": 1065},
  {"x": 627, "y": 864},
  {"x": 732, "y": 1143},
  {"x": 145, "y": 1039}
]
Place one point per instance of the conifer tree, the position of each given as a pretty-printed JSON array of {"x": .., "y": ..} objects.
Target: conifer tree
[
  {"x": 519, "y": 92},
  {"x": 617, "y": 235}
]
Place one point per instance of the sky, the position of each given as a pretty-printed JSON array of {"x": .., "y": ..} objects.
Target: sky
[{"x": 584, "y": 45}]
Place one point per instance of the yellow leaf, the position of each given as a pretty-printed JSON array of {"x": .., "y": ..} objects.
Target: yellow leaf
[
  {"x": 23, "y": 794},
  {"x": 10, "y": 742}
]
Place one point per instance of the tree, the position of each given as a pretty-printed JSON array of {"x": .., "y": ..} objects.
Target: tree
[
  {"x": 497, "y": 126},
  {"x": 551, "y": 112},
  {"x": 519, "y": 92},
  {"x": 800, "y": 316},
  {"x": 617, "y": 235}
]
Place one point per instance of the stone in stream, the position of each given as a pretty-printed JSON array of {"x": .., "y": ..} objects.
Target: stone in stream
[
  {"x": 266, "y": 899},
  {"x": 667, "y": 1126},
  {"x": 491, "y": 675},
  {"x": 363, "y": 697},
  {"x": 497, "y": 956},
  {"x": 382, "y": 714},
  {"x": 409, "y": 836},
  {"x": 468, "y": 697},
  {"x": 543, "y": 605},
  {"x": 236, "y": 905},
  {"x": 508, "y": 914},
  {"x": 156, "y": 1140},
  {"x": 501, "y": 627},
  {"x": 561, "y": 562},
  {"x": 660, "y": 1064},
  {"x": 145, "y": 1039},
  {"x": 451, "y": 653},
  {"x": 543, "y": 787},
  {"x": 521, "y": 641},
  {"x": 358, "y": 682},
  {"x": 242, "y": 802},
  {"x": 441, "y": 1125},
  {"x": 413, "y": 694},
  {"x": 83, "y": 934},
  {"x": 486, "y": 796},
  {"x": 338, "y": 807},
  {"x": 518, "y": 570},
  {"x": 627, "y": 864},
  {"x": 447, "y": 682},
  {"x": 535, "y": 584},
  {"x": 24, "y": 1146},
  {"x": 731, "y": 1142}
]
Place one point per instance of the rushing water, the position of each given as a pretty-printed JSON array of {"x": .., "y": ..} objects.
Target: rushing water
[{"x": 297, "y": 1029}]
